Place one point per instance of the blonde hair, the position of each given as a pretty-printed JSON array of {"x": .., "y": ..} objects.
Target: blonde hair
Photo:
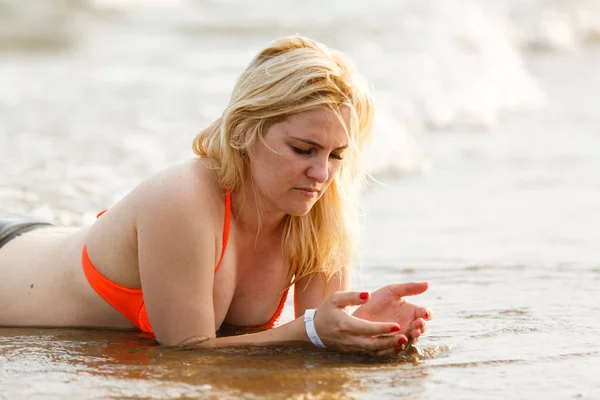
[{"x": 292, "y": 75}]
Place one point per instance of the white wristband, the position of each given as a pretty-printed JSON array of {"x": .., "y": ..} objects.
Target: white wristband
[{"x": 309, "y": 322}]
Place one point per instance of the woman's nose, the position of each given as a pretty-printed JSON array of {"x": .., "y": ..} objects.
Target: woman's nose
[{"x": 319, "y": 169}]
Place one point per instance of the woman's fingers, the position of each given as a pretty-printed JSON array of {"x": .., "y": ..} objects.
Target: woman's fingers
[
  {"x": 419, "y": 324},
  {"x": 357, "y": 326},
  {"x": 416, "y": 329},
  {"x": 345, "y": 299},
  {"x": 408, "y": 289},
  {"x": 404, "y": 350},
  {"x": 415, "y": 334},
  {"x": 377, "y": 344},
  {"x": 339, "y": 329},
  {"x": 362, "y": 327},
  {"x": 424, "y": 313}
]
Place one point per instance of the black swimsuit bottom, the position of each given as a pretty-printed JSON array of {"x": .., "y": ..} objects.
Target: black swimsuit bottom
[{"x": 13, "y": 225}]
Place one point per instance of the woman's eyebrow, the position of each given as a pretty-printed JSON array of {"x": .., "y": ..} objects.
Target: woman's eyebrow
[{"x": 313, "y": 143}]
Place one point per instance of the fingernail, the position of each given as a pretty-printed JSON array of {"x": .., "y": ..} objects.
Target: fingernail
[
  {"x": 364, "y": 295},
  {"x": 395, "y": 328},
  {"x": 398, "y": 349},
  {"x": 426, "y": 316},
  {"x": 402, "y": 340}
]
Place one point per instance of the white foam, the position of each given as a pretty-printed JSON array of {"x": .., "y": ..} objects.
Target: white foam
[
  {"x": 394, "y": 150},
  {"x": 440, "y": 66},
  {"x": 553, "y": 25},
  {"x": 434, "y": 65}
]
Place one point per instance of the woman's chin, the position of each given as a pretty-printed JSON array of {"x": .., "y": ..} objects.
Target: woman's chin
[
  {"x": 298, "y": 210},
  {"x": 298, "y": 213}
]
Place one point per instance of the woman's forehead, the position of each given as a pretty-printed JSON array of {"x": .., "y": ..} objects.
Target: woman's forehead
[{"x": 318, "y": 124}]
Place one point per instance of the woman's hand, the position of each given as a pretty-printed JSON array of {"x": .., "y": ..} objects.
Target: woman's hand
[
  {"x": 388, "y": 305},
  {"x": 341, "y": 331}
]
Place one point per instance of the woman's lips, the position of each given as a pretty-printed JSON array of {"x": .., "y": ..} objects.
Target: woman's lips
[{"x": 308, "y": 192}]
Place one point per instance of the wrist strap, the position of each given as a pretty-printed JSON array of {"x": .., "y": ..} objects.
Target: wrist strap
[{"x": 309, "y": 323}]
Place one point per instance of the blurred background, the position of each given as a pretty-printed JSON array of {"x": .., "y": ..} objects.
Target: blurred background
[
  {"x": 486, "y": 150},
  {"x": 485, "y": 110}
]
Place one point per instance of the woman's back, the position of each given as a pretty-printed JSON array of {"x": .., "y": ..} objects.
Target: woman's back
[
  {"x": 42, "y": 283},
  {"x": 111, "y": 244}
]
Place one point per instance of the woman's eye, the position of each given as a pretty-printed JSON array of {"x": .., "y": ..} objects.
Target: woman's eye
[
  {"x": 301, "y": 151},
  {"x": 310, "y": 151}
]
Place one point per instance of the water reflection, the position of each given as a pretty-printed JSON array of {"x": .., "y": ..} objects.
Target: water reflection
[
  {"x": 487, "y": 227},
  {"x": 107, "y": 360}
]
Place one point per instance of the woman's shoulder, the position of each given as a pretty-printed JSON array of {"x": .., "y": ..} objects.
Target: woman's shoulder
[{"x": 188, "y": 187}]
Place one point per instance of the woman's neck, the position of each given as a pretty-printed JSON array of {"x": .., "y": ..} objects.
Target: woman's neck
[{"x": 253, "y": 214}]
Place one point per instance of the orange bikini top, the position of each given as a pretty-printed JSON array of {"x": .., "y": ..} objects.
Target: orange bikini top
[{"x": 130, "y": 302}]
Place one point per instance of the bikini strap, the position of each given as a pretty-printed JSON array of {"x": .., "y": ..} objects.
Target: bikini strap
[{"x": 226, "y": 228}]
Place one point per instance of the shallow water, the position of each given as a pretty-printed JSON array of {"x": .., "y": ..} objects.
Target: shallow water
[
  {"x": 105, "y": 364},
  {"x": 493, "y": 197}
]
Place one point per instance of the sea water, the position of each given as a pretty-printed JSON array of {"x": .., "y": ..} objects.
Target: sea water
[{"x": 485, "y": 159}]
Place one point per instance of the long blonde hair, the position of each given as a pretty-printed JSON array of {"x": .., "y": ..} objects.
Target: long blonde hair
[{"x": 292, "y": 75}]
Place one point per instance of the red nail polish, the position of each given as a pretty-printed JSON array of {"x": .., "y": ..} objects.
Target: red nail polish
[
  {"x": 426, "y": 316},
  {"x": 402, "y": 340},
  {"x": 395, "y": 328},
  {"x": 364, "y": 295}
]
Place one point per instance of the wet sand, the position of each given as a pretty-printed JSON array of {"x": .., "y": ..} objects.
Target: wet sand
[{"x": 500, "y": 214}]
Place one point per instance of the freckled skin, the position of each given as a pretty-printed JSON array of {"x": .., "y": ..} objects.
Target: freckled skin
[
  {"x": 290, "y": 169},
  {"x": 64, "y": 297},
  {"x": 286, "y": 161}
]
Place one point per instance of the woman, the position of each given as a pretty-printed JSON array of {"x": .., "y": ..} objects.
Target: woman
[{"x": 218, "y": 240}]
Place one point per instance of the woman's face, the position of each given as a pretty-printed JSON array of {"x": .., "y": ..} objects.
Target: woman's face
[{"x": 298, "y": 160}]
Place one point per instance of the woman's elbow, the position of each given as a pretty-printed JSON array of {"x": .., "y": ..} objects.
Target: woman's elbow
[{"x": 192, "y": 341}]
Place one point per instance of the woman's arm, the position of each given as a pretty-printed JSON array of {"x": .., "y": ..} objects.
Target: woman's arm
[
  {"x": 389, "y": 304},
  {"x": 310, "y": 293},
  {"x": 384, "y": 305},
  {"x": 336, "y": 328},
  {"x": 176, "y": 256}
]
